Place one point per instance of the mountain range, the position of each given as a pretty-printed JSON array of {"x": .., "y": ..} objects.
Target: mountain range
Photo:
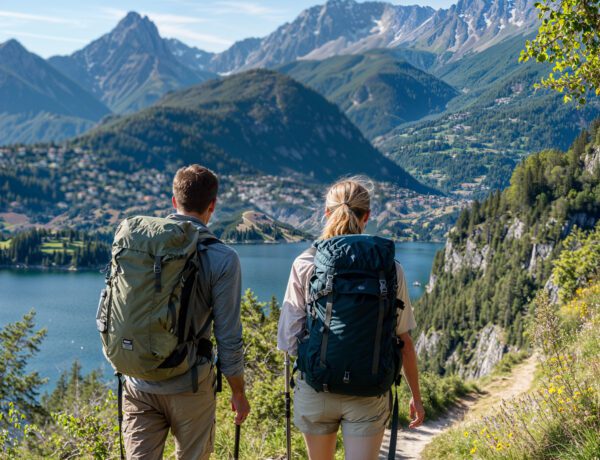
[
  {"x": 349, "y": 27},
  {"x": 439, "y": 92},
  {"x": 132, "y": 66}
]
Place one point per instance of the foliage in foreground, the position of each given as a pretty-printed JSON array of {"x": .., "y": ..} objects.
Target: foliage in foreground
[
  {"x": 568, "y": 38},
  {"x": 560, "y": 417},
  {"x": 79, "y": 417}
]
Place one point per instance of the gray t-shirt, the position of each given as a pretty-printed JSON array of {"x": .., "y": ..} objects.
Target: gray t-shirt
[{"x": 225, "y": 281}]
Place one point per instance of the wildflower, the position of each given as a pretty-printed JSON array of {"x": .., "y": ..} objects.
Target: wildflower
[
  {"x": 510, "y": 435},
  {"x": 473, "y": 450},
  {"x": 466, "y": 434}
]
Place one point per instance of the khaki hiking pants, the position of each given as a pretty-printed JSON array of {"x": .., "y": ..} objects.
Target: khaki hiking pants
[{"x": 148, "y": 417}]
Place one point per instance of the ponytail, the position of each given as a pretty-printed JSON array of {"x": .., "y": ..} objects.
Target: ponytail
[{"x": 347, "y": 202}]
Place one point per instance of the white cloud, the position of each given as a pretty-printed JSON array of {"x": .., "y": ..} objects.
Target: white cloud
[
  {"x": 252, "y": 9},
  {"x": 34, "y": 17},
  {"x": 15, "y": 33},
  {"x": 198, "y": 37}
]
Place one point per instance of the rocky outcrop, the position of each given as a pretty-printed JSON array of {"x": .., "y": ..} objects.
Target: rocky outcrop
[
  {"x": 488, "y": 352},
  {"x": 516, "y": 230},
  {"x": 580, "y": 220},
  {"x": 473, "y": 257},
  {"x": 431, "y": 283},
  {"x": 591, "y": 160},
  {"x": 484, "y": 354},
  {"x": 551, "y": 289},
  {"x": 427, "y": 344},
  {"x": 539, "y": 253}
]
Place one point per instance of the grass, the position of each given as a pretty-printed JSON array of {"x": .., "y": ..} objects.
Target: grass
[
  {"x": 559, "y": 418},
  {"x": 62, "y": 244}
]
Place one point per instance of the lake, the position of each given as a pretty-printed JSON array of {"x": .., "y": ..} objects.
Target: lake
[{"x": 66, "y": 302}]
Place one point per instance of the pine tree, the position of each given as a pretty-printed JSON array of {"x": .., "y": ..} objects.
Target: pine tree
[{"x": 18, "y": 344}]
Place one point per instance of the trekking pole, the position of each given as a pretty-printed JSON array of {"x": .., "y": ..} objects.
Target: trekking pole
[
  {"x": 236, "y": 447},
  {"x": 288, "y": 426}
]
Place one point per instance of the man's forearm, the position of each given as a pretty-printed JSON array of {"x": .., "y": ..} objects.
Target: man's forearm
[
  {"x": 409, "y": 364},
  {"x": 236, "y": 382}
]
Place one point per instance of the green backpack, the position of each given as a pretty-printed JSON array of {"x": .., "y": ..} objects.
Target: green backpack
[{"x": 144, "y": 316}]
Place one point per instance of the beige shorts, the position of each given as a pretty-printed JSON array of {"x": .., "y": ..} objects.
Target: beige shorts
[{"x": 322, "y": 413}]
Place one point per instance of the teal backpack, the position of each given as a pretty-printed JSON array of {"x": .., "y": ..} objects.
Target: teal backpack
[{"x": 350, "y": 345}]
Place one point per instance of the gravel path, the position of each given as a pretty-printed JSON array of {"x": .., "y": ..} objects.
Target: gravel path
[{"x": 412, "y": 442}]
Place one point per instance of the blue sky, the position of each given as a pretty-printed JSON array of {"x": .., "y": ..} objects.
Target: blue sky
[{"x": 63, "y": 26}]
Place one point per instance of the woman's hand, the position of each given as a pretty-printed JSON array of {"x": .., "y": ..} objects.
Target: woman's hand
[{"x": 417, "y": 413}]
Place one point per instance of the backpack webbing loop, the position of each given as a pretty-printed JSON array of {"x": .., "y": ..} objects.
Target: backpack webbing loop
[
  {"x": 157, "y": 270},
  {"x": 378, "y": 331},
  {"x": 327, "y": 322}
]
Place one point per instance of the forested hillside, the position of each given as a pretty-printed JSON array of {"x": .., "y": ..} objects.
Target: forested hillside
[
  {"x": 500, "y": 253},
  {"x": 377, "y": 90},
  {"x": 256, "y": 121},
  {"x": 498, "y": 119},
  {"x": 62, "y": 249}
]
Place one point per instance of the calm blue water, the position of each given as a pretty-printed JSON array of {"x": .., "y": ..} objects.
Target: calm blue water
[{"x": 66, "y": 302}]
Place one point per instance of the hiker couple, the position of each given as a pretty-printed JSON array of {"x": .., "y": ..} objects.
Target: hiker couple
[{"x": 346, "y": 315}]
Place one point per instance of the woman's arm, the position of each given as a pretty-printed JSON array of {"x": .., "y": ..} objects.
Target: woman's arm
[
  {"x": 411, "y": 373},
  {"x": 293, "y": 309}
]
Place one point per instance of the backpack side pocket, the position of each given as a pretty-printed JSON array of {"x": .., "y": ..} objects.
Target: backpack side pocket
[{"x": 102, "y": 312}]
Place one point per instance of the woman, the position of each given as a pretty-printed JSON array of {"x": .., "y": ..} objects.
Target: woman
[{"x": 319, "y": 414}]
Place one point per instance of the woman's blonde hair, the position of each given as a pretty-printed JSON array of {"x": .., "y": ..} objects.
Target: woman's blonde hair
[{"x": 347, "y": 201}]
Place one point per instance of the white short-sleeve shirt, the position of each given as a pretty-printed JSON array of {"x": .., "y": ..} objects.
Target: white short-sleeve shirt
[{"x": 293, "y": 311}]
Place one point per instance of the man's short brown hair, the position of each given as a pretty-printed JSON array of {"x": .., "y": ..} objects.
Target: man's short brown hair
[{"x": 194, "y": 188}]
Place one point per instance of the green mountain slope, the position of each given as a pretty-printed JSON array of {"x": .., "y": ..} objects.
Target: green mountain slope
[
  {"x": 377, "y": 90},
  {"x": 500, "y": 253},
  {"x": 256, "y": 121},
  {"x": 255, "y": 227},
  {"x": 474, "y": 146},
  {"x": 478, "y": 70}
]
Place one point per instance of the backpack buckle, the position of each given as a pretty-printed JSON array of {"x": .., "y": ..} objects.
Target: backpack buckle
[
  {"x": 329, "y": 283},
  {"x": 383, "y": 287},
  {"x": 346, "y": 377}
]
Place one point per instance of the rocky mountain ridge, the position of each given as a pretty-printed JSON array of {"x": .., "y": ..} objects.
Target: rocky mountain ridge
[
  {"x": 348, "y": 27},
  {"x": 129, "y": 67}
]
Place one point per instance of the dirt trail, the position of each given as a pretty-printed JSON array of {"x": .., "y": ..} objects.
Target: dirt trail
[{"x": 412, "y": 442}]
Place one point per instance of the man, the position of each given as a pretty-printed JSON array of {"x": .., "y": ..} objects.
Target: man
[{"x": 151, "y": 408}]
